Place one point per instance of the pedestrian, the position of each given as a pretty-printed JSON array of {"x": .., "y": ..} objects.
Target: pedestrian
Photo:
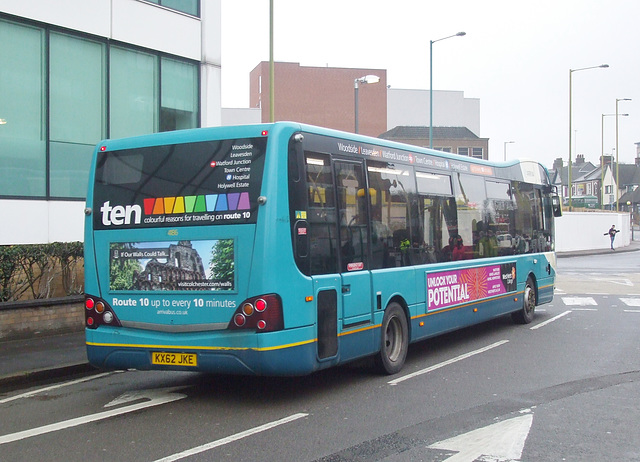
[{"x": 612, "y": 234}]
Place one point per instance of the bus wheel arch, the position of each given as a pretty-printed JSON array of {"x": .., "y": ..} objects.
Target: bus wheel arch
[
  {"x": 394, "y": 339},
  {"x": 529, "y": 300}
]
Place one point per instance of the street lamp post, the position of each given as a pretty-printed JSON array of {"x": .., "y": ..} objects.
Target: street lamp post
[
  {"x": 271, "y": 66},
  {"x": 617, "y": 163},
  {"x": 571, "y": 71},
  {"x": 431, "y": 42},
  {"x": 602, "y": 188},
  {"x": 505, "y": 148},
  {"x": 366, "y": 79}
]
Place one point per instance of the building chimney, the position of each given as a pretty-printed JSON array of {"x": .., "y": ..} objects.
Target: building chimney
[
  {"x": 606, "y": 161},
  {"x": 557, "y": 164},
  {"x": 580, "y": 159}
]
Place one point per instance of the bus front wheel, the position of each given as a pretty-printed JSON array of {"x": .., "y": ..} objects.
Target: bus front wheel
[
  {"x": 525, "y": 315},
  {"x": 394, "y": 340}
]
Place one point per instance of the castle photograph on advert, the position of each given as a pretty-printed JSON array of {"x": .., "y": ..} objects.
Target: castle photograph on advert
[{"x": 172, "y": 265}]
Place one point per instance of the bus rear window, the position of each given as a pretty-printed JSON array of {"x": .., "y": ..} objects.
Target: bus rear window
[
  {"x": 122, "y": 169},
  {"x": 189, "y": 184}
]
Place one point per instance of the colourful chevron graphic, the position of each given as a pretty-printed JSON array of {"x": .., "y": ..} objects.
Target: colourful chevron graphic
[{"x": 197, "y": 204}]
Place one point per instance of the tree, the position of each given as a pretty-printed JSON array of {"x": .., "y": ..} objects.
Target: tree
[
  {"x": 122, "y": 269},
  {"x": 222, "y": 262}
]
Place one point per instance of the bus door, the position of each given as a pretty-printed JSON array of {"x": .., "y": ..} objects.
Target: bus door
[{"x": 353, "y": 221}]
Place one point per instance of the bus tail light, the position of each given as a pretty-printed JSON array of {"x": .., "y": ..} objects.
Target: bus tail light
[
  {"x": 239, "y": 320},
  {"x": 262, "y": 313},
  {"x": 98, "y": 313}
]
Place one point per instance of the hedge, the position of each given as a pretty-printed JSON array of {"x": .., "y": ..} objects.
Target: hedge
[{"x": 29, "y": 271}]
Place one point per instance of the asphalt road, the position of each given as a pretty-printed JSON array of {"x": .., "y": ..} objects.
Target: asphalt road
[{"x": 562, "y": 388}]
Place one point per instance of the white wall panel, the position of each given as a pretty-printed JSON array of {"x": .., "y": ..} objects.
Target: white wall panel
[
  {"x": 66, "y": 221},
  {"x": 37, "y": 222},
  {"x": 90, "y": 16},
  {"x": 23, "y": 222},
  {"x": 154, "y": 27},
  {"x": 211, "y": 34},
  {"x": 211, "y": 95}
]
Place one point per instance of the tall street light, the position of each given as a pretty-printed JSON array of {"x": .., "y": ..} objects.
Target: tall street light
[
  {"x": 505, "y": 148},
  {"x": 271, "y": 66},
  {"x": 366, "y": 79},
  {"x": 571, "y": 71},
  {"x": 602, "y": 189},
  {"x": 431, "y": 42},
  {"x": 617, "y": 163}
]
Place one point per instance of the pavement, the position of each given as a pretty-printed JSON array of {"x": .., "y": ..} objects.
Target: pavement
[{"x": 43, "y": 359}]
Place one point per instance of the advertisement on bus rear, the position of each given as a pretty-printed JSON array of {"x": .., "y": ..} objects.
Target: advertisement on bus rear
[
  {"x": 190, "y": 184},
  {"x": 172, "y": 265},
  {"x": 446, "y": 289}
]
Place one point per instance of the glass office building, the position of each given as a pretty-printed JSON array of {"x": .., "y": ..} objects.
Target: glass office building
[{"x": 73, "y": 73}]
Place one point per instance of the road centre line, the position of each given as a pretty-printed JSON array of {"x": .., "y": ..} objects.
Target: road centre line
[
  {"x": 579, "y": 301},
  {"x": 232, "y": 438},
  {"x": 446, "y": 363},
  {"x": 548, "y": 321},
  {"x": 53, "y": 387}
]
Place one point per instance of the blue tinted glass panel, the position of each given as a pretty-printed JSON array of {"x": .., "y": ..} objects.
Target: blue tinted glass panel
[{"x": 22, "y": 134}]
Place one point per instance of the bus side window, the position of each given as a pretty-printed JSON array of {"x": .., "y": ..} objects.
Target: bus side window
[
  {"x": 439, "y": 217},
  {"x": 394, "y": 215}
]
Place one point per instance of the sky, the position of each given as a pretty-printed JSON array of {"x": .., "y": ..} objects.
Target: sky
[{"x": 515, "y": 58}]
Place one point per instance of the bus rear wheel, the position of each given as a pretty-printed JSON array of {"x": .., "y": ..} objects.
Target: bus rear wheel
[
  {"x": 394, "y": 341},
  {"x": 525, "y": 315}
]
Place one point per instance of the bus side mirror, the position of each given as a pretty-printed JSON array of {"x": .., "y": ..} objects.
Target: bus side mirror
[{"x": 556, "y": 206}]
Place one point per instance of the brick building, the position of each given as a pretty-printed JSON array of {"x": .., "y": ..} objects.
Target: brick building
[{"x": 323, "y": 96}]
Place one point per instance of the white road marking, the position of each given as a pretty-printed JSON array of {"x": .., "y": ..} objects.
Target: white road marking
[
  {"x": 579, "y": 301},
  {"x": 631, "y": 301},
  {"x": 232, "y": 438},
  {"x": 446, "y": 363},
  {"x": 499, "y": 442},
  {"x": 53, "y": 387},
  {"x": 620, "y": 281},
  {"x": 631, "y": 311},
  {"x": 542, "y": 324},
  {"x": 155, "y": 398}
]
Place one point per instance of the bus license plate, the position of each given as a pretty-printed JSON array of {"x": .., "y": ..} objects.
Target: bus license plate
[{"x": 174, "y": 359}]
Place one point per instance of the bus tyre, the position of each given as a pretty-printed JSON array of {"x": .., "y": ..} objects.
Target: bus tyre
[
  {"x": 525, "y": 315},
  {"x": 394, "y": 341}
]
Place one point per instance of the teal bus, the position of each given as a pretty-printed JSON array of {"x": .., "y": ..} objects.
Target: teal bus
[{"x": 282, "y": 249}]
